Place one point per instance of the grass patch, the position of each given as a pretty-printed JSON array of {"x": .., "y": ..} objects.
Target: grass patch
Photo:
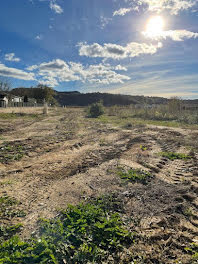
[
  {"x": 90, "y": 232},
  {"x": 11, "y": 152},
  {"x": 8, "y": 208},
  {"x": 174, "y": 155},
  {"x": 123, "y": 121},
  {"x": 17, "y": 115},
  {"x": 134, "y": 175}
]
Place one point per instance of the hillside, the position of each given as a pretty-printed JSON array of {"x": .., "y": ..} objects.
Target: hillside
[{"x": 76, "y": 98}]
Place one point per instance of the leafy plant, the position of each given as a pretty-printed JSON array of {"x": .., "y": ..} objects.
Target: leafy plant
[
  {"x": 134, "y": 175},
  {"x": 96, "y": 110},
  {"x": 8, "y": 208},
  {"x": 11, "y": 152},
  {"x": 15, "y": 251},
  {"x": 174, "y": 156},
  {"x": 88, "y": 232},
  {"x": 9, "y": 231}
]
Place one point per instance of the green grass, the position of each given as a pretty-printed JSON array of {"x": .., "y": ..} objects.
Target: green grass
[
  {"x": 86, "y": 233},
  {"x": 134, "y": 175},
  {"x": 174, "y": 155}
]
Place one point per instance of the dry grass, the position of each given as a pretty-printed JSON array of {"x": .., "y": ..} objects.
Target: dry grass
[{"x": 23, "y": 110}]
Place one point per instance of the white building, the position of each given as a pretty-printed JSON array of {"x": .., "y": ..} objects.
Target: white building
[{"x": 3, "y": 100}]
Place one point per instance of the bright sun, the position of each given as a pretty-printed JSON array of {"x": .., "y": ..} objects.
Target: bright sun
[{"x": 155, "y": 26}]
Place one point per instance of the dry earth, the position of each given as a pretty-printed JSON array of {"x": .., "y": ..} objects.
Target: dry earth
[{"x": 67, "y": 158}]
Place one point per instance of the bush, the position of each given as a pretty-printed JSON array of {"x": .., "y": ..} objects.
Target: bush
[{"x": 96, "y": 110}]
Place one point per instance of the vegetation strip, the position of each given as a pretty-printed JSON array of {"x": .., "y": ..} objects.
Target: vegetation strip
[{"x": 174, "y": 156}]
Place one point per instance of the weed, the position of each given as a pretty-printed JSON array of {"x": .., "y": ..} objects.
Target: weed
[
  {"x": 134, "y": 175},
  {"x": 14, "y": 251},
  {"x": 8, "y": 208},
  {"x": 143, "y": 148},
  {"x": 8, "y": 231},
  {"x": 174, "y": 156},
  {"x": 188, "y": 212},
  {"x": 193, "y": 250},
  {"x": 11, "y": 152},
  {"x": 88, "y": 232}
]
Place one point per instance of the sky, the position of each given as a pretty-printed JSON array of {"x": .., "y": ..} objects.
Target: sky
[{"x": 135, "y": 47}]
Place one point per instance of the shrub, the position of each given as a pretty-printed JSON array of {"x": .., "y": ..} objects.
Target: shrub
[{"x": 96, "y": 110}]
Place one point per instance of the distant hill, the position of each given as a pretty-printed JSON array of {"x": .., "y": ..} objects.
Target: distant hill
[
  {"x": 80, "y": 99},
  {"x": 76, "y": 98}
]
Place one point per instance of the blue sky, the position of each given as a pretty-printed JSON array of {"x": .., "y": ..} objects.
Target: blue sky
[{"x": 137, "y": 47}]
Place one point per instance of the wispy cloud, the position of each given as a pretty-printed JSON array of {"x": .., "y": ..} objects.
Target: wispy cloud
[
  {"x": 55, "y": 7},
  {"x": 11, "y": 57},
  {"x": 176, "y": 35},
  {"x": 158, "y": 83},
  {"x": 16, "y": 73},
  {"x": 121, "y": 12},
  {"x": 115, "y": 51},
  {"x": 104, "y": 21},
  {"x": 173, "y": 6}
]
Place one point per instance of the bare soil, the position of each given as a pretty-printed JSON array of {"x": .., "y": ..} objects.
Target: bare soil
[{"x": 68, "y": 158}]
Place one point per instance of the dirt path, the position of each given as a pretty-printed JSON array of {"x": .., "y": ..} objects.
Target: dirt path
[{"x": 67, "y": 158}]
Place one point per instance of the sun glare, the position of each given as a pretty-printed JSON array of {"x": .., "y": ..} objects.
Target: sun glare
[{"x": 155, "y": 26}]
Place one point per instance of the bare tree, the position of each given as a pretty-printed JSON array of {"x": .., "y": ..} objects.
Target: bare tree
[{"x": 5, "y": 84}]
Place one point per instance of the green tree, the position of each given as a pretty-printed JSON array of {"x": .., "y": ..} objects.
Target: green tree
[{"x": 46, "y": 93}]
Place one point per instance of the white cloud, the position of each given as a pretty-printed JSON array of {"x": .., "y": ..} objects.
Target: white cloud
[
  {"x": 120, "y": 68},
  {"x": 56, "y": 71},
  {"x": 173, "y": 6},
  {"x": 176, "y": 35},
  {"x": 16, "y": 73},
  {"x": 38, "y": 37},
  {"x": 115, "y": 51},
  {"x": 122, "y": 11},
  {"x": 55, "y": 7},
  {"x": 11, "y": 57}
]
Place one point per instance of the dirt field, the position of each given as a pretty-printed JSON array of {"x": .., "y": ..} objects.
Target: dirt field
[{"x": 48, "y": 162}]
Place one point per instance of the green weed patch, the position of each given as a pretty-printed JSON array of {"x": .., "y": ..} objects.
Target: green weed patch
[
  {"x": 8, "y": 231},
  {"x": 87, "y": 233},
  {"x": 193, "y": 250},
  {"x": 134, "y": 175},
  {"x": 174, "y": 156},
  {"x": 11, "y": 152},
  {"x": 8, "y": 208}
]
